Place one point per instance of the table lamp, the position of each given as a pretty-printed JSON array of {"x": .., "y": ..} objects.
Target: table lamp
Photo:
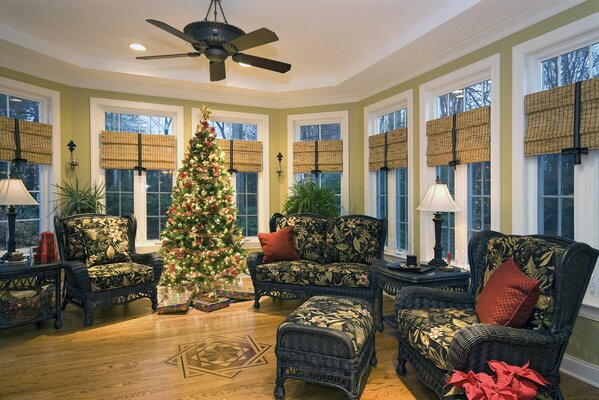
[
  {"x": 438, "y": 200},
  {"x": 13, "y": 193}
]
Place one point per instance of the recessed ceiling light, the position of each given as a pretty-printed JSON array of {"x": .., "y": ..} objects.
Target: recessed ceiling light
[
  {"x": 244, "y": 65},
  {"x": 137, "y": 47}
]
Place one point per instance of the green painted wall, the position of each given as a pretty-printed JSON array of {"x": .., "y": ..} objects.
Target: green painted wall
[{"x": 75, "y": 125}]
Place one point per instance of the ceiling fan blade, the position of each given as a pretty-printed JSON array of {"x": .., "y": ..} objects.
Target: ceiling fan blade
[
  {"x": 172, "y": 31},
  {"x": 217, "y": 71},
  {"x": 260, "y": 62},
  {"x": 190, "y": 54},
  {"x": 256, "y": 38}
]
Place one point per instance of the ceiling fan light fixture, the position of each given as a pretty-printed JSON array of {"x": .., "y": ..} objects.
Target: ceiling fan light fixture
[
  {"x": 137, "y": 47},
  {"x": 244, "y": 65}
]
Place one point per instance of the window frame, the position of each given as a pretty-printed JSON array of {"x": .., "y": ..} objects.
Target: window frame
[
  {"x": 484, "y": 69},
  {"x": 49, "y": 113},
  {"x": 526, "y": 71},
  {"x": 98, "y": 108},
  {"x": 371, "y": 113},
  {"x": 333, "y": 117},
  {"x": 262, "y": 122}
]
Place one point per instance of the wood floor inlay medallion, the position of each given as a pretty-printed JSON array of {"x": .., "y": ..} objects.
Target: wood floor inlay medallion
[{"x": 219, "y": 355}]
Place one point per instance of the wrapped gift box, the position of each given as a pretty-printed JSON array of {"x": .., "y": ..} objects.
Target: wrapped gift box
[
  {"x": 174, "y": 301},
  {"x": 208, "y": 306},
  {"x": 236, "y": 293}
]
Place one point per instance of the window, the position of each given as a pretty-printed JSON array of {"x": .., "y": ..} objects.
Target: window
[
  {"x": 246, "y": 183},
  {"x": 251, "y": 188},
  {"x": 556, "y": 196},
  {"x": 322, "y": 126},
  {"x": 147, "y": 196},
  {"x": 475, "y": 186},
  {"x": 312, "y": 132},
  {"x": 387, "y": 193},
  {"x": 31, "y": 103}
]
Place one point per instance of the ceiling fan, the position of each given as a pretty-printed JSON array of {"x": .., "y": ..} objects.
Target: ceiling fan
[{"x": 219, "y": 40}]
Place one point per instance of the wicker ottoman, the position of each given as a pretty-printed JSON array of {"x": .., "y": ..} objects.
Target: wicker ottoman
[{"x": 327, "y": 340}]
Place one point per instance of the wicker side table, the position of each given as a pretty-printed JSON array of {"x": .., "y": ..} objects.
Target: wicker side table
[
  {"x": 392, "y": 280},
  {"x": 22, "y": 299},
  {"x": 328, "y": 340}
]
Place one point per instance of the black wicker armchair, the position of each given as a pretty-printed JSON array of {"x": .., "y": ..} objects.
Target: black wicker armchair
[
  {"x": 101, "y": 265},
  {"x": 439, "y": 331},
  {"x": 337, "y": 257}
]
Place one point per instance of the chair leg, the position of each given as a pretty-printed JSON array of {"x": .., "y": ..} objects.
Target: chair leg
[
  {"x": 373, "y": 360},
  {"x": 88, "y": 310},
  {"x": 64, "y": 304},
  {"x": 401, "y": 366},
  {"x": 257, "y": 300},
  {"x": 154, "y": 298},
  {"x": 280, "y": 386}
]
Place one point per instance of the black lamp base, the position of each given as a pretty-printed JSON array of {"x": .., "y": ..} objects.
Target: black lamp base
[
  {"x": 438, "y": 260},
  {"x": 11, "y": 216}
]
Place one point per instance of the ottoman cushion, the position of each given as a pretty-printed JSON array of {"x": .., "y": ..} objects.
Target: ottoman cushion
[{"x": 346, "y": 318}]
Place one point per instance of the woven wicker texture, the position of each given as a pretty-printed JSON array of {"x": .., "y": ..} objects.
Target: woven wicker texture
[
  {"x": 247, "y": 154},
  {"x": 35, "y": 138},
  {"x": 119, "y": 151},
  {"x": 397, "y": 150},
  {"x": 550, "y": 119},
  {"x": 330, "y": 156},
  {"x": 472, "y": 138}
]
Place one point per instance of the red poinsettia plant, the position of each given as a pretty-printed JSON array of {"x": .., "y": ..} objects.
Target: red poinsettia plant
[{"x": 510, "y": 383}]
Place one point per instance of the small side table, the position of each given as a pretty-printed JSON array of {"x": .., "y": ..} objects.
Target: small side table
[
  {"x": 392, "y": 280},
  {"x": 27, "y": 277}
]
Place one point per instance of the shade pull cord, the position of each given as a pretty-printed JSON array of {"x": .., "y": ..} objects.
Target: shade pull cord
[
  {"x": 454, "y": 160},
  {"x": 139, "y": 168},
  {"x": 316, "y": 171},
  {"x": 576, "y": 150},
  {"x": 18, "y": 156},
  {"x": 231, "y": 169},
  {"x": 385, "y": 167}
]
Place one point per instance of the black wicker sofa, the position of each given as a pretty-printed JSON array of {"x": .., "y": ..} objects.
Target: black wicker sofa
[{"x": 336, "y": 258}]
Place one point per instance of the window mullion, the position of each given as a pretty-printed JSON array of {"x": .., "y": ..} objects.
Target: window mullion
[
  {"x": 461, "y": 218},
  {"x": 139, "y": 206},
  {"x": 391, "y": 209}
]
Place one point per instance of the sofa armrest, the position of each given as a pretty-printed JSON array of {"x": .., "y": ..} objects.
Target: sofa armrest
[
  {"x": 253, "y": 260},
  {"x": 76, "y": 275},
  {"x": 474, "y": 345},
  {"x": 422, "y": 297},
  {"x": 153, "y": 260}
]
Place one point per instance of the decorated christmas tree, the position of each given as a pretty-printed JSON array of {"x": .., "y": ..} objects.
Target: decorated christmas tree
[{"x": 201, "y": 243}]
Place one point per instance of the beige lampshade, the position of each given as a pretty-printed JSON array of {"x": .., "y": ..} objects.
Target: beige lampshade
[
  {"x": 14, "y": 193},
  {"x": 438, "y": 199}
]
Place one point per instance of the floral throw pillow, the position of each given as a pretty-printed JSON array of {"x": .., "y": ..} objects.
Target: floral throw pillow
[{"x": 104, "y": 239}]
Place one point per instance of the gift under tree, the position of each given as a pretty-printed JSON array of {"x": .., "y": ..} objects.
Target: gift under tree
[{"x": 201, "y": 243}]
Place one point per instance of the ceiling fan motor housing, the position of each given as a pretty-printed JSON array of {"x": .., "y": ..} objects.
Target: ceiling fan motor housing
[{"x": 215, "y": 34}]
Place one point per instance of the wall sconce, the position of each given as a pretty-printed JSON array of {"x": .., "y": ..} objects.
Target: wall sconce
[
  {"x": 73, "y": 161},
  {"x": 280, "y": 168}
]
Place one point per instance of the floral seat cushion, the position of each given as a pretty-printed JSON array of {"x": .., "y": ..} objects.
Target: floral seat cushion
[
  {"x": 349, "y": 317},
  {"x": 431, "y": 331},
  {"x": 304, "y": 272},
  {"x": 117, "y": 275},
  {"x": 97, "y": 240},
  {"x": 537, "y": 258},
  {"x": 353, "y": 239},
  {"x": 308, "y": 235}
]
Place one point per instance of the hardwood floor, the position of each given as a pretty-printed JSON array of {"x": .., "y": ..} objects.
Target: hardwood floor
[{"x": 124, "y": 356}]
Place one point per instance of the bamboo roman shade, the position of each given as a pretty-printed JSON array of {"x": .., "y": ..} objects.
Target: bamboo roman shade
[
  {"x": 121, "y": 150},
  {"x": 31, "y": 141},
  {"x": 247, "y": 154},
  {"x": 472, "y": 139},
  {"x": 550, "y": 118},
  {"x": 395, "y": 154},
  {"x": 323, "y": 155}
]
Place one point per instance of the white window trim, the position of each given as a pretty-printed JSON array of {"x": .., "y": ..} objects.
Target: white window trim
[
  {"x": 262, "y": 121},
  {"x": 487, "y": 68},
  {"x": 50, "y": 114},
  {"x": 371, "y": 113},
  {"x": 526, "y": 73},
  {"x": 97, "y": 109},
  {"x": 341, "y": 117}
]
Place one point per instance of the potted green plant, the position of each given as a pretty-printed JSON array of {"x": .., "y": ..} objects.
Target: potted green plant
[
  {"x": 307, "y": 197},
  {"x": 73, "y": 199}
]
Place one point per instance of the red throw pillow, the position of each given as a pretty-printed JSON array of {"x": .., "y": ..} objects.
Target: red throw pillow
[
  {"x": 278, "y": 246},
  {"x": 508, "y": 298}
]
